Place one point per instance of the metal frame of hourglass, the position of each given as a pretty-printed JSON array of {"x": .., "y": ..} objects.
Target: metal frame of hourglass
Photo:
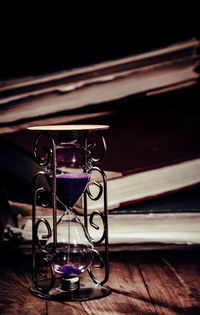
[{"x": 46, "y": 284}]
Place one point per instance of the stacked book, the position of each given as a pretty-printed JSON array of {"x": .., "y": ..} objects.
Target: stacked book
[
  {"x": 75, "y": 94},
  {"x": 150, "y": 102}
]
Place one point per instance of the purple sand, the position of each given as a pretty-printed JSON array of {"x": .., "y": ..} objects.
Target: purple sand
[
  {"x": 70, "y": 187},
  {"x": 69, "y": 270}
]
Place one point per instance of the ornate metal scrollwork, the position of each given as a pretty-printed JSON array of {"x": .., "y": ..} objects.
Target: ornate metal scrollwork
[
  {"x": 91, "y": 146},
  {"x": 103, "y": 215},
  {"x": 49, "y": 190},
  {"x": 43, "y": 184},
  {"x": 41, "y": 246}
]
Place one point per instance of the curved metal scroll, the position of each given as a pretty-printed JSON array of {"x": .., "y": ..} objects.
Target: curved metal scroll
[
  {"x": 46, "y": 160},
  {"x": 91, "y": 146},
  {"x": 39, "y": 188},
  {"x": 102, "y": 186},
  {"x": 41, "y": 246}
]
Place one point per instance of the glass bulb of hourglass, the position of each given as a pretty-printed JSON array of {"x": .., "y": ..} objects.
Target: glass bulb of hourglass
[
  {"x": 70, "y": 187},
  {"x": 73, "y": 252}
]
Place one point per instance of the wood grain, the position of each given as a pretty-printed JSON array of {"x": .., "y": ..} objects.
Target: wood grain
[
  {"x": 15, "y": 279},
  {"x": 169, "y": 292},
  {"x": 153, "y": 282}
]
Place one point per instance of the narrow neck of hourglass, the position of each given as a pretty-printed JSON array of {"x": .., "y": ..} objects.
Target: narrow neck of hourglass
[{"x": 69, "y": 213}]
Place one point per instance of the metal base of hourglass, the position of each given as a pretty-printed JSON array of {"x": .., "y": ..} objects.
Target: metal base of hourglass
[{"x": 88, "y": 290}]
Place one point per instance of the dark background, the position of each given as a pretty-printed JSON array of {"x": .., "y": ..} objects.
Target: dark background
[{"x": 34, "y": 41}]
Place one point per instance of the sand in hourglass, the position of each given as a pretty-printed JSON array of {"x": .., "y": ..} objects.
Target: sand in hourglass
[{"x": 69, "y": 189}]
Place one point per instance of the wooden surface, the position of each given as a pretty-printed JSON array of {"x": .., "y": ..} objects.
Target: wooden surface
[{"x": 164, "y": 282}]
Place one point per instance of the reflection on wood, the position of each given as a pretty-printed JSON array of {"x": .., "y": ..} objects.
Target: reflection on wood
[{"x": 164, "y": 282}]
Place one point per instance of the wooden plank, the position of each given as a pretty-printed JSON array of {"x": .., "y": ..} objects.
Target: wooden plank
[
  {"x": 15, "y": 279},
  {"x": 69, "y": 308},
  {"x": 143, "y": 283},
  {"x": 188, "y": 272},
  {"x": 167, "y": 289},
  {"x": 129, "y": 294}
]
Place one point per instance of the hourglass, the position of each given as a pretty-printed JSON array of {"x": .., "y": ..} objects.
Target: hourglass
[
  {"x": 74, "y": 249},
  {"x": 69, "y": 249}
]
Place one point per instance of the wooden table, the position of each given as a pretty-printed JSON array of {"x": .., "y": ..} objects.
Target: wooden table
[{"x": 150, "y": 282}]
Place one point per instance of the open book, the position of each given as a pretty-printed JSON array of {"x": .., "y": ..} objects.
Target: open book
[
  {"x": 167, "y": 222},
  {"x": 150, "y": 152},
  {"x": 125, "y": 189},
  {"x": 153, "y": 145}
]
